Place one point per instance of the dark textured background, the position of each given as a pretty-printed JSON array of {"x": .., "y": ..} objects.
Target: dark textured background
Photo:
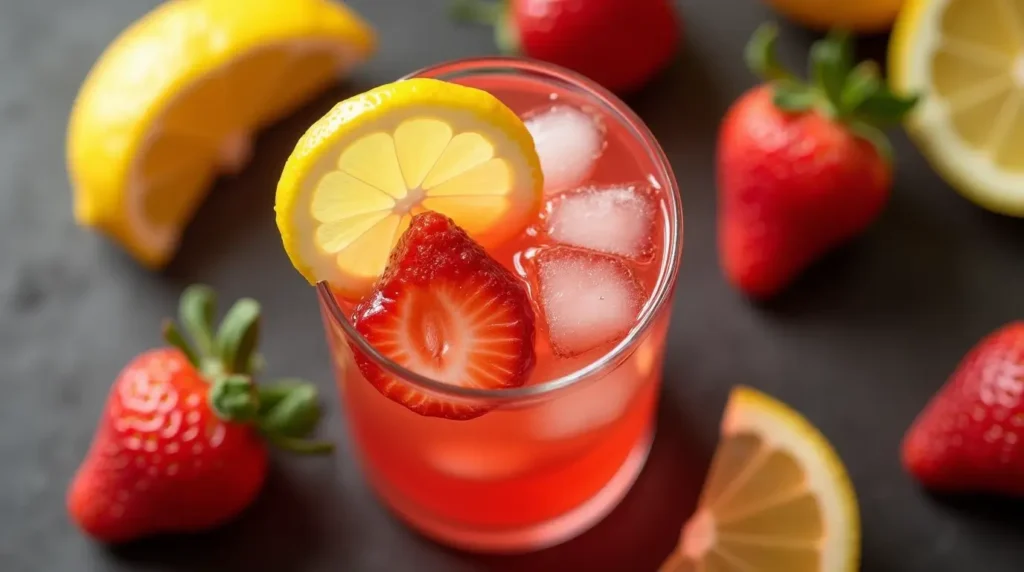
[{"x": 858, "y": 345}]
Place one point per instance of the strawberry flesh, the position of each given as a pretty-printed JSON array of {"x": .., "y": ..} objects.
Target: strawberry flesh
[
  {"x": 446, "y": 310},
  {"x": 968, "y": 438}
]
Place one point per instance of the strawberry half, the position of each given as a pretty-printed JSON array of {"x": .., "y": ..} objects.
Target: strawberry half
[{"x": 446, "y": 310}]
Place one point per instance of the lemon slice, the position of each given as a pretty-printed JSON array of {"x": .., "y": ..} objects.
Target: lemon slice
[
  {"x": 777, "y": 498},
  {"x": 967, "y": 58},
  {"x": 354, "y": 180},
  {"x": 175, "y": 99}
]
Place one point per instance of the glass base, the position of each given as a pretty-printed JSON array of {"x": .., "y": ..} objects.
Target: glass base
[{"x": 536, "y": 537}]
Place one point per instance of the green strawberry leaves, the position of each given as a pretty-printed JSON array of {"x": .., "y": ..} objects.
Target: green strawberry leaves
[
  {"x": 289, "y": 412},
  {"x": 760, "y": 55},
  {"x": 849, "y": 93},
  {"x": 232, "y": 399},
  {"x": 831, "y": 61},
  {"x": 285, "y": 413},
  {"x": 491, "y": 13},
  {"x": 289, "y": 408},
  {"x": 883, "y": 107},
  {"x": 477, "y": 11},
  {"x": 197, "y": 310},
  {"x": 172, "y": 335},
  {"x": 793, "y": 97},
  {"x": 238, "y": 336},
  {"x": 872, "y": 134},
  {"x": 863, "y": 82}
]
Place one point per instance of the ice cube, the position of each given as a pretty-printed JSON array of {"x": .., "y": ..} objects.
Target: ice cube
[
  {"x": 587, "y": 299},
  {"x": 568, "y": 141},
  {"x": 616, "y": 219}
]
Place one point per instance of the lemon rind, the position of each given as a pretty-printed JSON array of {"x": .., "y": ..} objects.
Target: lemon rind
[
  {"x": 782, "y": 428},
  {"x": 100, "y": 193},
  {"x": 383, "y": 109},
  {"x": 915, "y": 38}
]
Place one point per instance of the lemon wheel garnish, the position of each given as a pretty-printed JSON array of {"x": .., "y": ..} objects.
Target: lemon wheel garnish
[
  {"x": 967, "y": 58},
  {"x": 360, "y": 173},
  {"x": 777, "y": 498},
  {"x": 175, "y": 100}
]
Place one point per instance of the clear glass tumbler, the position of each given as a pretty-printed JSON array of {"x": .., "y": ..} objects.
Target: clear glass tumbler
[{"x": 552, "y": 457}]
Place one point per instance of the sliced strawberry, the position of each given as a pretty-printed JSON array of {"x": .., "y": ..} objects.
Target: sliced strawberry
[{"x": 448, "y": 311}]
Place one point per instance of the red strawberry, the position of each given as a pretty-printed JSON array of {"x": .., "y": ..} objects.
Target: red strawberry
[
  {"x": 801, "y": 168},
  {"x": 446, "y": 310},
  {"x": 180, "y": 446},
  {"x": 969, "y": 437},
  {"x": 620, "y": 44}
]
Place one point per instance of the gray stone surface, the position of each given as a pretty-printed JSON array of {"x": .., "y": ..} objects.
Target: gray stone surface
[{"x": 858, "y": 345}]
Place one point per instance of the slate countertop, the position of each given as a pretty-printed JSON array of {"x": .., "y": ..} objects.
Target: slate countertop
[{"x": 858, "y": 345}]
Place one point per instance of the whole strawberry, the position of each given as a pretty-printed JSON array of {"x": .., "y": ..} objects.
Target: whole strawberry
[
  {"x": 968, "y": 438},
  {"x": 620, "y": 44},
  {"x": 802, "y": 168},
  {"x": 180, "y": 446}
]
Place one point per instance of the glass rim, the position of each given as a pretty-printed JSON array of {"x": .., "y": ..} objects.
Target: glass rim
[{"x": 670, "y": 260}]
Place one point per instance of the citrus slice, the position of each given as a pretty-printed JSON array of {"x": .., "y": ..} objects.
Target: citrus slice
[
  {"x": 862, "y": 16},
  {"x": 777, "y": 498},
  {"x": 175, "y": 99},
  {"x": 354, "y": 180},
  {"x": 967, "y": 58}
]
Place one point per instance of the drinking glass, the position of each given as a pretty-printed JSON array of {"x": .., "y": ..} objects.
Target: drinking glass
[{"x": 553, "y": 457}]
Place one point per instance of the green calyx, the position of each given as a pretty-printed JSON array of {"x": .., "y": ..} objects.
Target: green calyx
[
  {"x": 849, "y": 93},
  {"x": 286, "y": 413},
  {"x": 494, "y": 13}
]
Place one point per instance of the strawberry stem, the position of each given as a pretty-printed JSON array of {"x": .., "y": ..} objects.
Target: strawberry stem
[
  {"x": 285, "y": 413},
  {"x": 853, "y": 95}
]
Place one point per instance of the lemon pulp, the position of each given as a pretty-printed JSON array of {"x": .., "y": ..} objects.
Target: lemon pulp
[
  {"x": 967, "y": 57},
  {"x": 777, "y": 498},
  {"x": 357, "y": 177},
  {"x": 174, "y": 100}
]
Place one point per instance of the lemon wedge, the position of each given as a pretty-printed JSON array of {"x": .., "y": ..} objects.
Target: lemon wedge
[
  {"x": 175, "y": 99},
  {"x": 359, "y": 174},
  {"x": 777, "y": 498},
  {"x": 967, "y": 58}
]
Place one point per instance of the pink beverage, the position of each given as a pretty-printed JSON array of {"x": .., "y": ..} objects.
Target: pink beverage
[{"x": 556, "y": 455}]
